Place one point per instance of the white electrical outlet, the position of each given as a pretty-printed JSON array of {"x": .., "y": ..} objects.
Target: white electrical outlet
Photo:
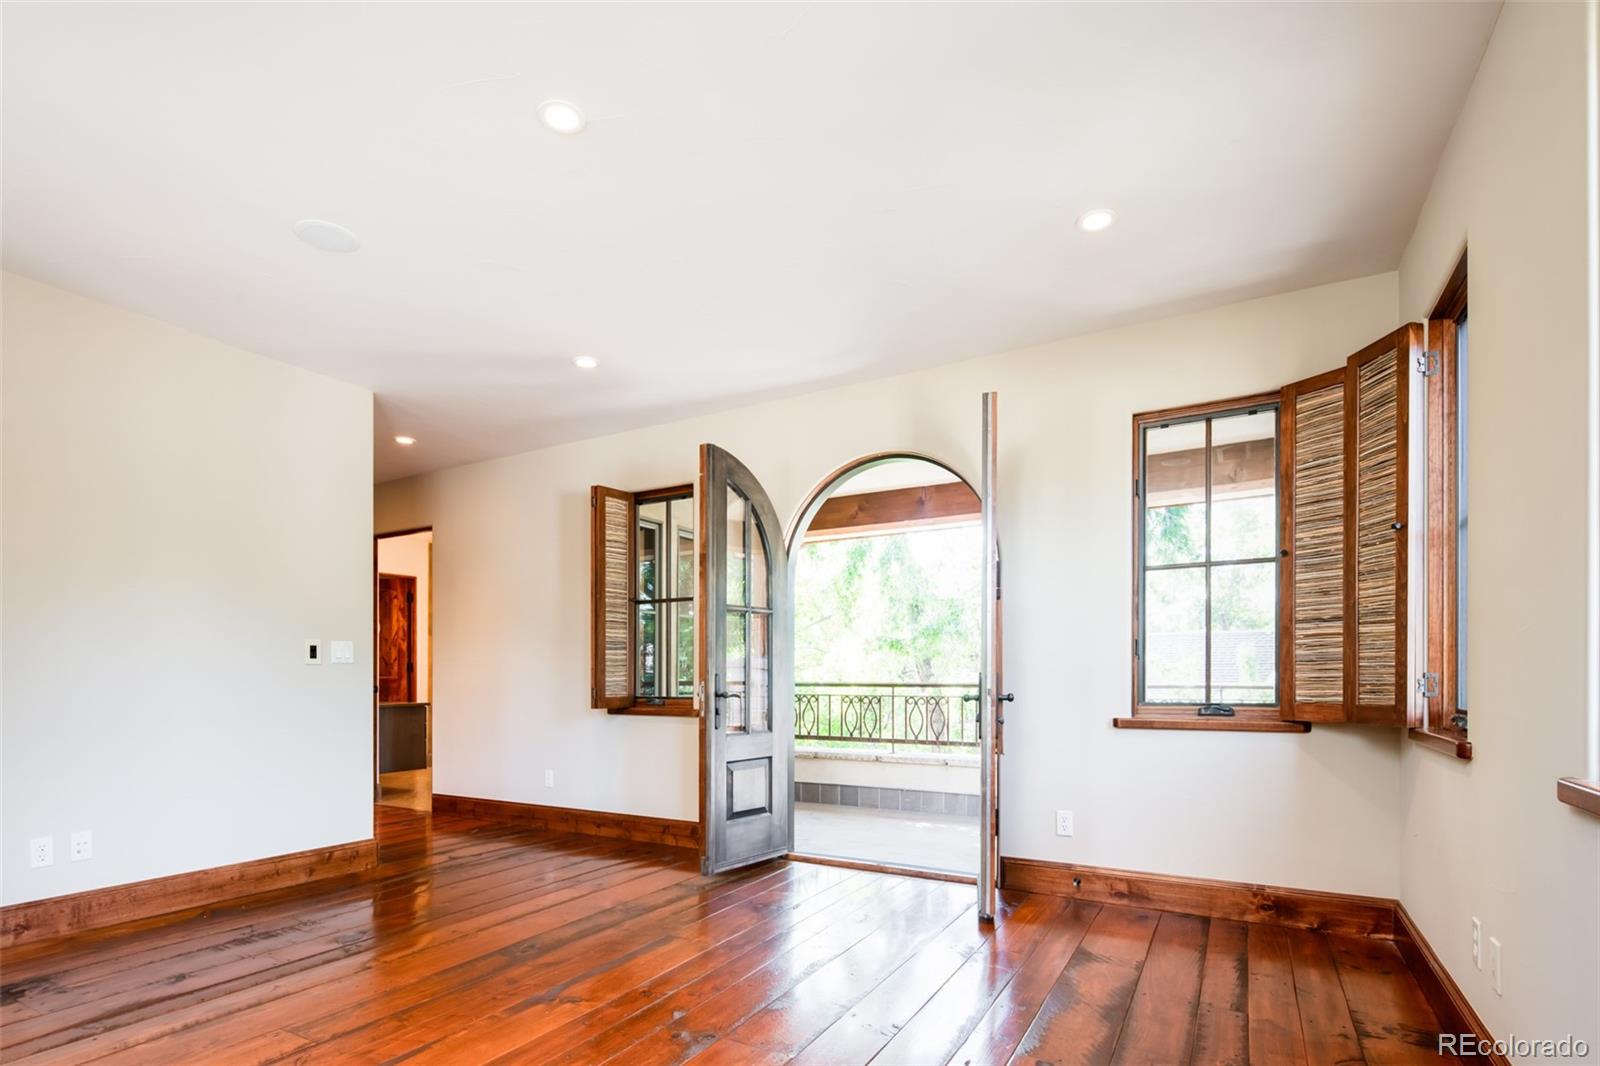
[
  {"x": 41, "y": 851},
  {"x": 82, "y": 846},
  {"x": 1063, "y": 823},
  {"x": 1494, "y": 966},
  {"x": 549, "y": 779},
  {"x": 1477, "y": 943}
]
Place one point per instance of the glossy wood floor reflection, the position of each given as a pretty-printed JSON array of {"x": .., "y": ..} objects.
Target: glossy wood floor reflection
[{"x": 481, "y": 942}]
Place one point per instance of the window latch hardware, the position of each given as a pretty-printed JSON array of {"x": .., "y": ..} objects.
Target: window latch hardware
[
  {"x": 1428, "y": 686},
  {"x": 1428, "y": 363},
  {"x": 1214, "y": 710}
]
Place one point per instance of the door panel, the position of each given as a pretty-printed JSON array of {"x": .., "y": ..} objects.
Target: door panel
[
  {"x": 992, "y": 695},
  {"x": 746, "y": 669},
  {"x": 397, "y": 596}
]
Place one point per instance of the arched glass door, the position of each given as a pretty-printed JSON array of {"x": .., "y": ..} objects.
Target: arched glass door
[{"x": 745, "y": 647}]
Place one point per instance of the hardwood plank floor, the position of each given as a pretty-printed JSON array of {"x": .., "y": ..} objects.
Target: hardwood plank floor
[{"x": 480, "y": 942}]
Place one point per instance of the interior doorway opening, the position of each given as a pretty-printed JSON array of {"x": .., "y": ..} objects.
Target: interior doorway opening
[
  {"x": 887, "y": 599},
  {"x": 403, "y": 586}
]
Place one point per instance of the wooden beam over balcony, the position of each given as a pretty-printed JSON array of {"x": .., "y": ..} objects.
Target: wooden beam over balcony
[{"x": 894, "y": 511}]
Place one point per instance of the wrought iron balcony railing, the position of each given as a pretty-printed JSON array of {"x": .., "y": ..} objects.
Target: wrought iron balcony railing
[{"x": 886, "y": 717}]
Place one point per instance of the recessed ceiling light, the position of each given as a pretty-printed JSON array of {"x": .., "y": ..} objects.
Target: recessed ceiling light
[
  {"x": 562, "y": 116},
  {"x": 326, "y": 236},
  {"x": 404, "y": 441},
  {"x": 585, "y": 362},
  {"x": 1098, "y": 219}
]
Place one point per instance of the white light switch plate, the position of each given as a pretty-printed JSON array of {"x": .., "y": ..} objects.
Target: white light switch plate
[
  {"x": 313, "y": 652},
  {"x": 342, "y": 651}
]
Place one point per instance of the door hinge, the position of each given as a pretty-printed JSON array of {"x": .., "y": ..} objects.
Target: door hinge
[
  {"x": 997, "y": 579},
  {"x": 1135, "y": 647},
  {"x": 1136, "y": 488},
  {"x": 1428, "y": 363},
  {"x": 1428, "y": 686}
]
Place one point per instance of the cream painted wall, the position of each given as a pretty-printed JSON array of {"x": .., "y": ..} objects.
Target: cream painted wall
[
  {"x": 1487, "y": 838},
  {"x": 179, "y": 517},
  {"x": 511, "y": 624},
  {"x": 409, "y": 555}
]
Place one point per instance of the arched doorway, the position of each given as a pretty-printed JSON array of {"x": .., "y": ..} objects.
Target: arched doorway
[{"x": 885, "y": 564}]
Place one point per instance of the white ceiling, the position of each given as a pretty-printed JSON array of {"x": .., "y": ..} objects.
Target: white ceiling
[{"x": 768, "y": 198}]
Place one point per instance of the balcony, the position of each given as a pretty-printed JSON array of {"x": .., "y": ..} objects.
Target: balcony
[
  {"x": 888, "y": 772},
  {"x": 886, "y": 717}
]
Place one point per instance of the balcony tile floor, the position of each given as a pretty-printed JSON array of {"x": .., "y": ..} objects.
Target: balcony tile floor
[{"x": 947, "y": 842}]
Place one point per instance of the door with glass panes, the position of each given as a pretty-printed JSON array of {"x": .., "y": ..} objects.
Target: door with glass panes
[{"x": 745, "y": 649}]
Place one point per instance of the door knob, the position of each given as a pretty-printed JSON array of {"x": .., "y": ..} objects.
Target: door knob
[{"x": 1006, "y": 697}]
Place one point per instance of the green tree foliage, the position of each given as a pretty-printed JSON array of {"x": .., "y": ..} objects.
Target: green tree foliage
[{"x": 898, "y": 607}]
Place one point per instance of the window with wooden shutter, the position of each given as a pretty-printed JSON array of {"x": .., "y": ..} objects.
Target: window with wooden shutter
[
  {"x": 1342, "y": 634},
  {"x": 611, "y": 584},
  {"x": 642, "y": 548}
]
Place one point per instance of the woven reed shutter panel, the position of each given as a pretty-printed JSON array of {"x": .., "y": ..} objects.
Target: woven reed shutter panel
[
  {"x": 1313, "y": 579},
  {"x": 1376, "y": 385},
  {"x": 611, "y": 586}
]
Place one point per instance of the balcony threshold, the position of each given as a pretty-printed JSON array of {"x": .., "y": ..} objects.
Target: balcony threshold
[{"x": 868, "y": 755}]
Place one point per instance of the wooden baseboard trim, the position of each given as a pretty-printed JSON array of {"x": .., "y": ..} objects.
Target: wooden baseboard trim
[
  {"x": 884, "y": 868},
  {"x": 643, "y": 828},
  {"x": 1328, "y": 911},
  {"x": 44, "y": 919},
  {"x": 1450, "y": 1007}
]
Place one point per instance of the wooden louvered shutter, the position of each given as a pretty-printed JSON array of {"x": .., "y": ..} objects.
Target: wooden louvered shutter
[
  {"x": 1312, "y": 579},
  {"x": 1376, "y": 424},
  {"x": 1343, "y": 585},
  {"x": 611, "y": 589}
]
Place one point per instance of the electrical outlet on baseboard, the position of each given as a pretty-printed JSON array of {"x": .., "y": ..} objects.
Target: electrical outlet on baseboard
[{"x": 1063, "y": 823}]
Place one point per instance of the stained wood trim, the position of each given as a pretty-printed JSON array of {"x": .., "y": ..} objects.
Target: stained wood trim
[
  {"x": 1331, "y": 912},
  {"x": 1434, "y": 717},
  {"x": 884, "y": 868},
  {"x": 1215, "y": 725},
  {"x": 1584, "y": 795},
  {"x": 1450, "y": 1007},
  {"x": 893, "y": 509},
  {"x": 42, "y": 919},
  {"x": 641, "y": 827},
  {"x": 1453, "y": 300},
  {"x": 676, "y": 707},
  {"x": 402, "y": 532},
  {"x": 1456, "y": 747}
]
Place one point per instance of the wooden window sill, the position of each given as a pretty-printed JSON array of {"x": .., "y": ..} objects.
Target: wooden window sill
[
  {"x": 1214, "y": 725},
  {"x": 1584, "y": 795},
  {"x": 1458, "y": 748},
  {"x": 666, "y": 709}
]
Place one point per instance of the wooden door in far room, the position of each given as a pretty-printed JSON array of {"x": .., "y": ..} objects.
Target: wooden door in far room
[{"x": 397, "y": 643}]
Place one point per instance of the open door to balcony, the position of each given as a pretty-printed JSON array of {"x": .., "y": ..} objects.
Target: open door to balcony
[{"x": 886, "y": 558}]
